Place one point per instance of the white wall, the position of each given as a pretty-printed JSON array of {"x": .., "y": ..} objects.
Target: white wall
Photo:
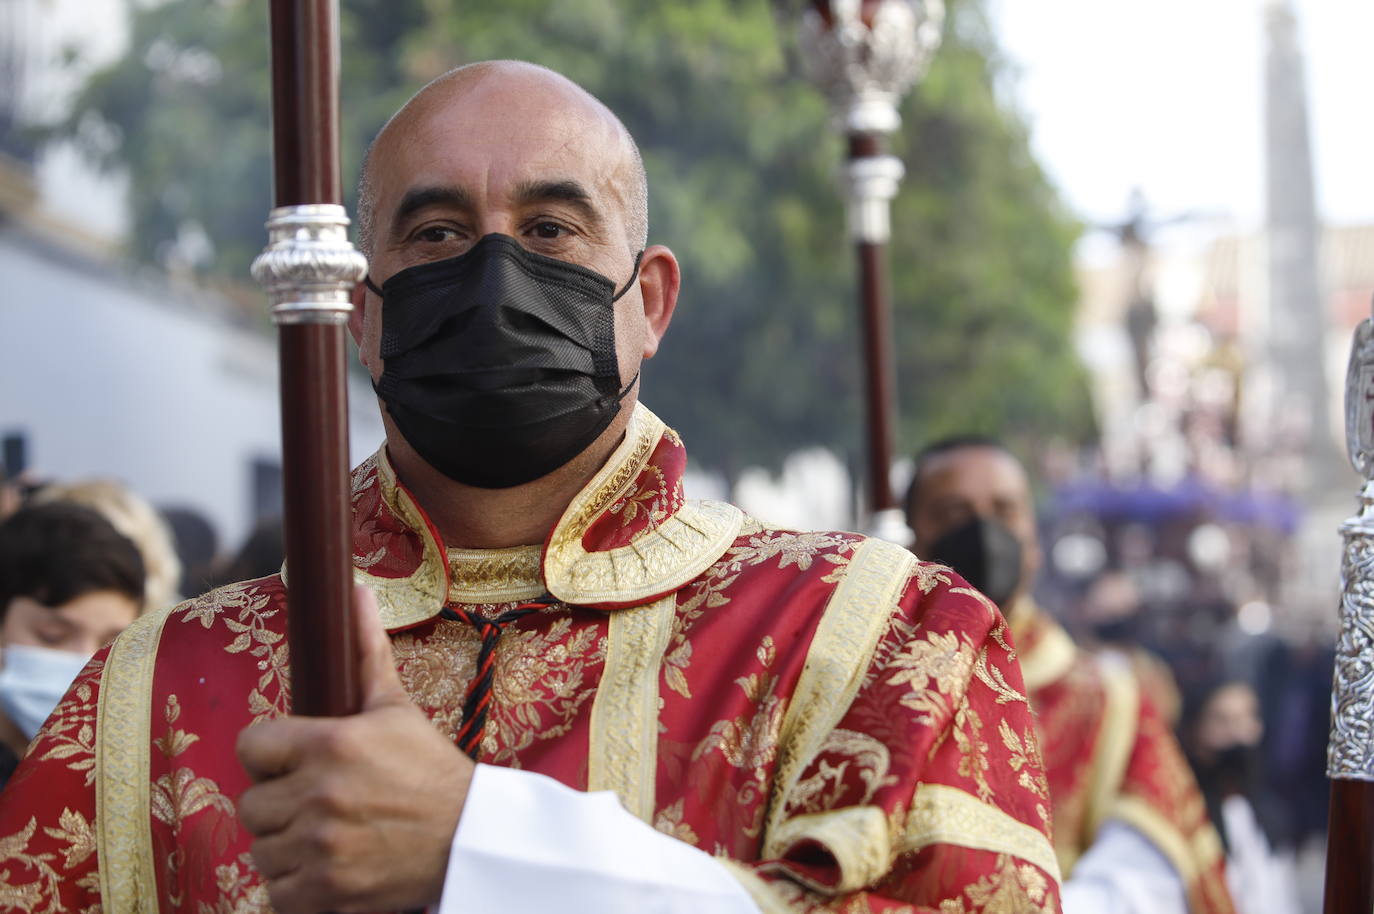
[{"x": 109, "y": 379}]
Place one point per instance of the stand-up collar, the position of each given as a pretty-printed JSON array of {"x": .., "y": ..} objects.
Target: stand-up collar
[
  {"x": 627, "y": 538},
  {"x": 1047, "y": 652}
]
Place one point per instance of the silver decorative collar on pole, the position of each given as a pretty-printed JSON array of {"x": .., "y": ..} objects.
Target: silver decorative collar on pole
[{"x": 309, "y": 267}]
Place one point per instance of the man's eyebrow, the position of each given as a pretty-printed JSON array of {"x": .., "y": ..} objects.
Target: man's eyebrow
[
  {"x": 564, "y": 191},
  {"x": 418, "y": 198}
]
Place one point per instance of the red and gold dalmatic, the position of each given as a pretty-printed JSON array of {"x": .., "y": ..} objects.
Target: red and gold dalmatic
[
  {"x": 844, "y": 726},
  {"x": 1110, "y": 755}
]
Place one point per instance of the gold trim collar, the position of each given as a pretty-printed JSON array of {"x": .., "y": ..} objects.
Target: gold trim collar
[
  {"x": 655, "y": 562},
  {"x": 1047, "y": 652}
]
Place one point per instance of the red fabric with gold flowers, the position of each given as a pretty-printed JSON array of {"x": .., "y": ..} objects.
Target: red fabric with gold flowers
[
  {"x": 1109, "y": 755},
  {"x": 845, "y": 727}
]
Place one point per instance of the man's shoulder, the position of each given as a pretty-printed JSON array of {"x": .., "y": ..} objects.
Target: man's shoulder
[
  {"x": 822, "y": 563},
  {"x": 232, "y": 634}
]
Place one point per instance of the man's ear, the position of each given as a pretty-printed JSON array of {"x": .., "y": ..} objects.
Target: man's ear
[{"x": 659, "y": 279}]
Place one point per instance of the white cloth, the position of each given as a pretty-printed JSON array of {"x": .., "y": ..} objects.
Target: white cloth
[
  {"x": 526, "y": 843},
  {"x": 1261, "y": 881},
  {"x": 1123, "y": 873}
]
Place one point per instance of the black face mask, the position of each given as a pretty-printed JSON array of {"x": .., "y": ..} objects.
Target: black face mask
[
  {"x": 500, "y": 364},
  {"x": 1234, "y": 769},
  {"x": 985, "y": 553}
]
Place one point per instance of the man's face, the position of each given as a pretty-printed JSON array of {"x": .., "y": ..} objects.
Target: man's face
[
  {"x": 977, "y": 481},
  {"x": 509, "y": 153}
]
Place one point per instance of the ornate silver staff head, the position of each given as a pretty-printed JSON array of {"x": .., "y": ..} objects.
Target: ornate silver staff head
[
  {"x": 865, "y": 55},
  {"x": 1350, "y": 754}
]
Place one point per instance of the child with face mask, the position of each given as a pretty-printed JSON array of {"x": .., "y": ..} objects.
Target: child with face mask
[{"x": 69, "y": 583}]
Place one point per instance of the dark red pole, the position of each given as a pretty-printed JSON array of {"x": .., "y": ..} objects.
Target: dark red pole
[
  {"x": 305, "y": 102},
  {"x": 314, "y": 404},
  {"x": 880, "y": 397},
  {"x": 1350, "y": 849}
]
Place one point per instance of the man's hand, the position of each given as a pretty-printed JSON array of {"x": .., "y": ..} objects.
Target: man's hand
[{"x": 354, "y": 813}]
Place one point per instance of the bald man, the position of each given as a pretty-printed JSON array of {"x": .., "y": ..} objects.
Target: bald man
[{"x": 582, "y": 692}]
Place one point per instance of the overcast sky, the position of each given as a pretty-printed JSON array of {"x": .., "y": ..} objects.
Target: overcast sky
[{"x": 1168, "y": 95}]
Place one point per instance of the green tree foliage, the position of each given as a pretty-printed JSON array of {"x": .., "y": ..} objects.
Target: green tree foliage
[{"x": 743, "y": 167}]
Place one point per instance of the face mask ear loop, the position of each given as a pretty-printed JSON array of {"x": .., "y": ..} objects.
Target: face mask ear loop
[
  {"x": 367, "y": 281},
  {"x": 616, "y": 398},
  {"x": 629, "y": 282}
]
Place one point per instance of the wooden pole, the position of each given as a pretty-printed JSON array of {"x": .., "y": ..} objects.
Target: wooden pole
[
  {"x": 309, "y": 269},
  {"x": 879, "y": 364}
]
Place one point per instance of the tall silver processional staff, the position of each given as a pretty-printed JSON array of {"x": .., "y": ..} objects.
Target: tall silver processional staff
[
  {"x": 1350, "y": 754},
  {"x": 864, "y": 55}
]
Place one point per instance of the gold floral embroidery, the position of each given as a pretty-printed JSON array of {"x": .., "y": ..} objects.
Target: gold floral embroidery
[
  {"x": 540, "y": 684},
  {"x": 14, "y": 850},
  {"x": 650, "y": 500},
  {"x": 936, "y": 669},
  {"x": 249, "y": 626},
  {"x": 77, "y": 832},
  {"x": 827, "y": 787},
  {"x": 789, "y": 548},
  {"x": 240, "y": 891},
  {"x": 973, "y": 751},
  {"x": 174, "y": 741},
  {"x": 1025, "y": 759},
  {"x": 669, "y": 821},
  {"x": 929, "y": 575},
  {"x": 70, "y": 732},
  {"x": 751, "y": 744},
  {"x": 179, "y": 795},
  {"x": 992, "y": 677},
  {"x": 1013, "y": 889}
]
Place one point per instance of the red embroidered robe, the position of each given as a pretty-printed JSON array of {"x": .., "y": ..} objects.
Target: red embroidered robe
[
  {"x": 1109, "y": 754},
  {"x": 844, "y": 726}
]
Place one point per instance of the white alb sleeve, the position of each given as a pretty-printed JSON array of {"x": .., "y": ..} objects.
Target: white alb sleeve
[
  {"x": 526, "y": 843},
  {"x": 1123, "y": 873}
]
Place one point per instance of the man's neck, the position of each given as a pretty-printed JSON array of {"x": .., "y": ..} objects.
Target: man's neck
[{"x": 474, "y": 518}]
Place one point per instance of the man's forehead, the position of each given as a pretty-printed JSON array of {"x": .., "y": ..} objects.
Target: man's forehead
[
  {"x": 975, "y": 469},
  {"x": 494, "y": 134}
]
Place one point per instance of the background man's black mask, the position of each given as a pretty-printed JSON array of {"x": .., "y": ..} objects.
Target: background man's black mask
[
  {"x": 500, "y": 364},
  {"x": 985, "y": 553}
]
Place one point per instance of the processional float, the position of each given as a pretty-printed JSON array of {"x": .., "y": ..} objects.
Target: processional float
[
  {"x": 864, "y": 55},
  {"x": 1350, "y": 753},
  {"x": 309, "y": 269}
]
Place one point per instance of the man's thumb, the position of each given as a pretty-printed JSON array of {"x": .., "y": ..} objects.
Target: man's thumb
[{"x": 377, "y": 666}]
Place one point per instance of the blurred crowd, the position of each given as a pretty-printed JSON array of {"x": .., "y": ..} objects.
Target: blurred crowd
[{"x": 80, "y": 560}]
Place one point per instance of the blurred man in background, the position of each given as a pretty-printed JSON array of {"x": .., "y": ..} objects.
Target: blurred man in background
[
  {"x": 1130, "y": 827},
  {"x": 69, "y": 583}
]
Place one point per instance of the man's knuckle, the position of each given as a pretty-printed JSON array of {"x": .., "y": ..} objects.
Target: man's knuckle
[
  {"x": 331, "y": 796},
  {"x": 330, "y": 842},
  {"x": 337, "y": 741}
]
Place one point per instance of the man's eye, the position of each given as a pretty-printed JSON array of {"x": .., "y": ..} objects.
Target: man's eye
[
  {"x": 436, "y": 234},
  {"x": 549, "y": 230}
]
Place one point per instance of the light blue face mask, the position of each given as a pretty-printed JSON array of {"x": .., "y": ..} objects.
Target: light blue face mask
[{"x": 32, "y": 682}]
